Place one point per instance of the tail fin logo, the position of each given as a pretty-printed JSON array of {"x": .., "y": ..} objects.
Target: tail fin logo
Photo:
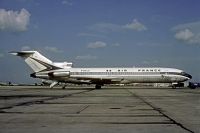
[
  {"x": 36, "y": 61},
  {"x": 48, "y": 66}
]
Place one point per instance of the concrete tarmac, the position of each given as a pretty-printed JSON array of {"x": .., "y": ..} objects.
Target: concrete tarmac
[{"x": 108, "y": 110}]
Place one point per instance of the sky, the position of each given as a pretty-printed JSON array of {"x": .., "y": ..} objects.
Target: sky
[{"x": 100, "y": 33}]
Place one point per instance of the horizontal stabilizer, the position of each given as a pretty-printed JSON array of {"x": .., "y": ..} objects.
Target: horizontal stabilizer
[{"x": 22, "y": 53}]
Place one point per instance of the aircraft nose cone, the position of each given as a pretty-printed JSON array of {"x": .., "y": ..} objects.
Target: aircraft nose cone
[{"x": 189, "y": 76}]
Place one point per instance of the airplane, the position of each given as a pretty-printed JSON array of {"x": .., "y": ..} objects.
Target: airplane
[{"x": 64, "y": 72}]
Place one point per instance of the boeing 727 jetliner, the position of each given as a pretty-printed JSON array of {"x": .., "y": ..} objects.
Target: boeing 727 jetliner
[{"x": 64, "y": 72}]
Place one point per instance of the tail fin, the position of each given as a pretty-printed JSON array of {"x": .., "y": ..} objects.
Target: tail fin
[{"x": 35, "y": 60}]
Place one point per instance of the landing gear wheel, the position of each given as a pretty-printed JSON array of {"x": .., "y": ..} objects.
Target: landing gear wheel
[
  {"x": 98, "y": 86},
  {"x": 63, "y": 87},
  {"x": 173, "y": 87}
]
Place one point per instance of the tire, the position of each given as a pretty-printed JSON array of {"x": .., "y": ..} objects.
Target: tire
[{"x": 98, "y": 87}]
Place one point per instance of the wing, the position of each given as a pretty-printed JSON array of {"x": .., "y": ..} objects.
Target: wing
[{"x": 99, "y": 80}]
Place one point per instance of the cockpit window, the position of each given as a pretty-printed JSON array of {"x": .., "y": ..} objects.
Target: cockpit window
[{"x": 186, "y": 75}]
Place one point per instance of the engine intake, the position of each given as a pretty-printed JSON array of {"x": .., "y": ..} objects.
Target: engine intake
[{"x": 59, "y": 74}]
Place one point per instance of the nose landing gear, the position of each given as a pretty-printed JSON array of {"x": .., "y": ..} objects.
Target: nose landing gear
[{"x": 175, "y": 85}]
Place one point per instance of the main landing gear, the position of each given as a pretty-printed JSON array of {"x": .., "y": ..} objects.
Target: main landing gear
[
  {"x": 98, "y": 87},
  {"x": 63, "y": 87}
]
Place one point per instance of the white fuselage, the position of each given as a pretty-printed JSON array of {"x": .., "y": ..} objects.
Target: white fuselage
[
  {"x": 63, "y": 72},
  {"x": 117, "y": 75}
]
